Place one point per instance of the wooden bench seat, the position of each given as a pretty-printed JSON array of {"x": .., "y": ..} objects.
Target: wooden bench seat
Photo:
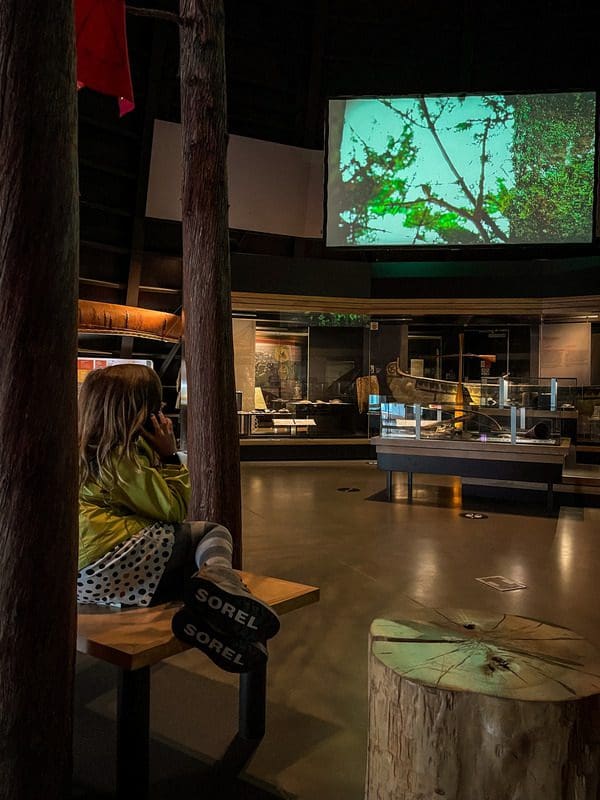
[
  {"x": 135, "y": 639},
  {"x": 140, "y": 637}
]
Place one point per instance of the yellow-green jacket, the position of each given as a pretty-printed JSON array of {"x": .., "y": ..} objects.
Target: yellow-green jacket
[{"x": 138, "y": 497}]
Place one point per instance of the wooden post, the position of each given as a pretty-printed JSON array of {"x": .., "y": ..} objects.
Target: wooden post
[
  {"x": 469, "y": 705},
  {"x": 212, "y": 430},
  {"x": 39, "y": 224}
]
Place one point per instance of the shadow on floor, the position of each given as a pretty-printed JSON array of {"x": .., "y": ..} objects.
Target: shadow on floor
[
  {"x": 175, "y": 771},
  {"x": 182, "y": 775},
  {"x": 424, "y": 495},
  {"x": 203, "y": 785},
  {"x": 445, "y": 497},
  {"x": 211, "y": 785},
  {"x": 522, "y": 506}
]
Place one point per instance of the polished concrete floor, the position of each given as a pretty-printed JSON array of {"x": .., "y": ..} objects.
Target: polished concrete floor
[{"x": 371, "y": 559}]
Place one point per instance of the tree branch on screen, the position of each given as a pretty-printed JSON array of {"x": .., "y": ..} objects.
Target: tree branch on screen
[{"x": 534, "y": 182}]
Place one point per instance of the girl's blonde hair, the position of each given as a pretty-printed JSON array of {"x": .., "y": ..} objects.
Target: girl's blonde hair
[{"x": 114, "y": 403}]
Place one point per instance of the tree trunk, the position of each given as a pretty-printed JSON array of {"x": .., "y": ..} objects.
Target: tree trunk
[
  {"x": 212, "y": 430},
  {"x": 480, "y": 706},
  {"x": 38, "y": 441}
]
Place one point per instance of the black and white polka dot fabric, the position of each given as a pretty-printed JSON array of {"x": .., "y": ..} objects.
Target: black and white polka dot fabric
[{"x": 129, "y": 573}]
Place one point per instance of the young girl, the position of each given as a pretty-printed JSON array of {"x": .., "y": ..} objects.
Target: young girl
[{"x": 134, "y": 545}]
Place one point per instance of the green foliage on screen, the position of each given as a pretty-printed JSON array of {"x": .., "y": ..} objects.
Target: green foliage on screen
[
  {"x": 474, "y": 170},
  {"x": 553, "y": 156},
  {"x": 327, "y": 319},
  {"x": 332, "y": 320}
]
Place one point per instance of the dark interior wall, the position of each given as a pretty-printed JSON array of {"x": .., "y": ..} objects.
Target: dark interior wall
[
  {"x": 335, "y": 361},
  {"x": 299, "y": 276},
  {"x": 527, "y": 277},
  {"x": 265, "y": 263},
  {"x": 259, "y": 263},
  {"x": 386, "y": 345}
]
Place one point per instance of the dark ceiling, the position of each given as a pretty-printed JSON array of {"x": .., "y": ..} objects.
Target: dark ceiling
[{"x": 283, "y": 60}]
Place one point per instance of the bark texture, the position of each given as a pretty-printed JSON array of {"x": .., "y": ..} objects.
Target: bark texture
[
  {"x": 467, "y": 705},
  {"x": 110, "y": 318},
  {"x": 212, "y": 430},
  {"x": 38, "y": 348}
]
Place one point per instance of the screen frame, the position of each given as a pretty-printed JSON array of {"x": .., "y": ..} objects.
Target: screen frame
[{"x": 425, "y": 252}]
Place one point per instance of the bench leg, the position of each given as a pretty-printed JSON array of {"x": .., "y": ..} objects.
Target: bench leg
[
  {"x": 409, "y": 486},
  {"x": 133, "y": 734},
  {"x": 389, "y": 485},
  {"x": 253, "y": 701}
]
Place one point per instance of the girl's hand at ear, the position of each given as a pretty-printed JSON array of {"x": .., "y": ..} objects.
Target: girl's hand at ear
[{"x": 162, "y": 439}]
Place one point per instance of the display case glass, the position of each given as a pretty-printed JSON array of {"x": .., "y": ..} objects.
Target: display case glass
[
  {"x": 587, "y": 403},
  {"x": 434, "y": 349},
  {"x": 297, "y": 375},
  {"x": 336, "y": 370},
  {"x": 546, "y": 394},
  {"x": 446, "y": 421}
]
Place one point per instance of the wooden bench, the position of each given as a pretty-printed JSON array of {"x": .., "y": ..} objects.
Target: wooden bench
[{"x": 135, "y": 639}]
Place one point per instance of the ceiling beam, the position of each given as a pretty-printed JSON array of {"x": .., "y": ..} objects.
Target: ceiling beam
[{"x": 543, "y": 307}]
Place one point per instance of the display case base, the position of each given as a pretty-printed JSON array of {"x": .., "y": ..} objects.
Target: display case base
[{"x": 273, "y": 449}]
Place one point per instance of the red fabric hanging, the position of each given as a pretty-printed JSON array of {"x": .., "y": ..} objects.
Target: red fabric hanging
[{"x": 102, "y": 59}]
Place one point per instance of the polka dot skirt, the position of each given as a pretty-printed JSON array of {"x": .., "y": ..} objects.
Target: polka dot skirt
[{"x": 130, "y": 572}]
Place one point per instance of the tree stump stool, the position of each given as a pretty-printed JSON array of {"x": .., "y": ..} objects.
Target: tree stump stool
[{"x": 470, "y": 705}]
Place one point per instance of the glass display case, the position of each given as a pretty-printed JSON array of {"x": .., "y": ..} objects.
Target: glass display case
[
  {"x": 519, "y": 425},
  {"x": 540, "y": 396},
  {"x": 296, "y": 375},
  {"x": 434, "y": 349},
  {"x": 546, "y": 394},
  {"x": 336, "y": 369},
  {"x": 494, "y": 397},
  {"x": 520, "y": 445},
  {"x": 587, "y": 403},
  {"x": 301, "y": 418}
]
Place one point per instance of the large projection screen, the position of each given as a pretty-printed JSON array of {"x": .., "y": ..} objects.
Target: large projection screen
[{"x": 494, "y": 169}]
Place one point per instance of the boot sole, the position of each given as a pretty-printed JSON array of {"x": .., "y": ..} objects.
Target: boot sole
[
  {"x": 231, "y": 655},
  {"x": 239, "y": 614}
]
